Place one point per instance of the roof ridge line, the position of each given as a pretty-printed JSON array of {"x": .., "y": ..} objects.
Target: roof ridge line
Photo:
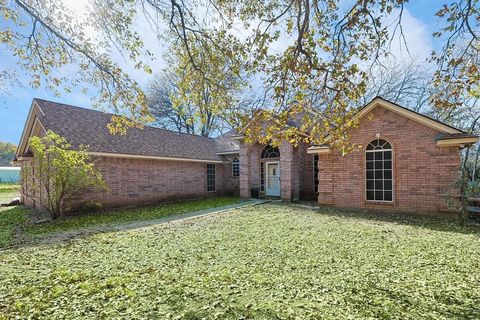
[{"x": 113, "y": 114}]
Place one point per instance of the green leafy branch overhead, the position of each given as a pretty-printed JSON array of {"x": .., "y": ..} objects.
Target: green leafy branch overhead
[{"x": 313, "y": 57}]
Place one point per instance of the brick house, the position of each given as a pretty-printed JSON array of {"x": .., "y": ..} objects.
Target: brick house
[
  {"x": 407, "y": 161},
  {"x": 144, "y": 166}
]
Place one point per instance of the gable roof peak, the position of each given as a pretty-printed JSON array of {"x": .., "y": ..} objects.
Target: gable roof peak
[{"x": 413, "y": 115}]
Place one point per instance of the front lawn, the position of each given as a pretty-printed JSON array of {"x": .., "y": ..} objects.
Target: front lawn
[
  {"x": 8, "y": 191},
  {"x": 264, "y": 262},
  {"x": 10, "y": 217}
]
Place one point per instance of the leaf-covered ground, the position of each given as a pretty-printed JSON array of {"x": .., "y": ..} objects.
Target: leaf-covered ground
[
  {"x": 126, "y": 215},
  {"x": 264, "y": 262},
  {"x": 10, "y": 217}
]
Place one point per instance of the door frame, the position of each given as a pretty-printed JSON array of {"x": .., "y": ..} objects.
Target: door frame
[{"x": 267, "y": 163}]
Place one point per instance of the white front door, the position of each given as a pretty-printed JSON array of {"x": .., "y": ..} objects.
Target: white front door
[{"x": 273, "y": 179}]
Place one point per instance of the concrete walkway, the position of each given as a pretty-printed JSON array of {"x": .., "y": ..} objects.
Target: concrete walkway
[
  {"x": 187, "y": 215},
  {"x": 70, "y": 234}
]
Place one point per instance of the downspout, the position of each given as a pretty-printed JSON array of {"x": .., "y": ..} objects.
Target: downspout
[{"x": 475, "y": 163}]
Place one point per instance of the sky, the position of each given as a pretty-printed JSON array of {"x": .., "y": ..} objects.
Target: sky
[{"x": 419, "y": 23}]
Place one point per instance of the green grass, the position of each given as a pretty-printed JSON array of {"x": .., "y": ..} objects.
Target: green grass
[
  {"x": 9, "y": 188},
  {"x": 8, "y": 196},
  {"x": 118, "y": 216},
  {"x": 264, "y": 262}
]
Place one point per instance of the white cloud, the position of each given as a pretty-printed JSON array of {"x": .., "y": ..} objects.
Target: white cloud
[{"x": 416, "y": 35}]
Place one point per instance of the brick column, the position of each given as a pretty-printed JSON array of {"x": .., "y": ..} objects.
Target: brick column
[
  {"x": 289, "y": 182},
  {"x": 244, "y": 170},
  {"x": 325, "y": 179}
]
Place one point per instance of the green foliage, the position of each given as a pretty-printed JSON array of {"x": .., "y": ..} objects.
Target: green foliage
[
  {"x": 312, "y": 57},
  {"x": 7, "y": 153},
  {"x": 472, "y": 188},
  {"x": 262, "y": 262},
  {"x": 48, "y": 36},
  {"x": 119, "y": 216},
  {"x": 458, "y": 73},
  {"x": 458, "y": 197},
  {"x": 60, "y": 171}
]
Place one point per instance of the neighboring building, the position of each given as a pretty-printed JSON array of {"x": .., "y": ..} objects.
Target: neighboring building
[
  {"x": 408, "y": 162},
  {"x": 9, "y": 175}
]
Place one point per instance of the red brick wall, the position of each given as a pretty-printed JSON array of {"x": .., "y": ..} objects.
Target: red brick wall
[
  {"x": 296, "y": 170},
  {"x": 27, "y": 181},
  {"x": 141, "y": 181},
  {"x": 423, "y": 172},
  {"x": 249, "y": 168},
  {"x": 306, "y": 174}
]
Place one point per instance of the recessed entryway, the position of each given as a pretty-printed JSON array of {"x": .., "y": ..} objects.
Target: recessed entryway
[{"x": 273, "y": 179}]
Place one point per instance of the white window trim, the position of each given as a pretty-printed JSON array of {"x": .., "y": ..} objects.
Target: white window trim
[{"x": 365, "y": 175}]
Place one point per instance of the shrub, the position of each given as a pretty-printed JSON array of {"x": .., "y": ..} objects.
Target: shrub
[{"x": 60, "y": 173}]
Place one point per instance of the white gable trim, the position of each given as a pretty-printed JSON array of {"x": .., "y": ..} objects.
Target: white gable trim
[
  {"x": 379, "y": 102},
  {"x": 319, "y": 150},
  {"x": 457, "y": 142},
  {"x": 30, "y": 123}
]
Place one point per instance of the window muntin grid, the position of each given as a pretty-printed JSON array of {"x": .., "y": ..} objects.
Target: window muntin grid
[
  {"x": 270, "y": 152},
  {"x": 379, "y": 171},
  {"x": 210, "y": 177},
  {"x": 262, "y": 176},
  {"x": 235, "y": 167},
  {"x": 315, "y": 173}
]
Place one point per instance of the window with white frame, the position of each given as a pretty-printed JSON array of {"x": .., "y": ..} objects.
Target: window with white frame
[
  {"x": 379, "y": 171},
  {"x": 235, "y": 167},
  {"x": 210, "y": 177},
  {"x": 315, "y": 173}
]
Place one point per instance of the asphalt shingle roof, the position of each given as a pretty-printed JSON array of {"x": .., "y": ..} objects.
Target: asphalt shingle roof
[
  {"x": 444, "y": 136},
  {"x": 89, "y": 127}
]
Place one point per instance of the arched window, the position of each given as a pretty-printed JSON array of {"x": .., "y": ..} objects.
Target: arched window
[
  {"x": 235, "y": 167},
  {"x": 270, "y": 152},
  {"x": 379, "y": 171}
]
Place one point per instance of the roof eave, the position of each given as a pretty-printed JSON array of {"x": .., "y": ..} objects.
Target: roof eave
[
  {"x": 319, "y": 150},
  {"x": 150, "y": 157},
  {"x": 228, "y": 152},
  {"x": 457, "y": 142}
]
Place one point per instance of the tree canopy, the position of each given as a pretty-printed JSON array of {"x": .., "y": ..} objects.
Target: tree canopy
[
  {"x": 7, "y": 153},
  {"x": 313, "y": 57},
  {"x": 185, "y": 100}
]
